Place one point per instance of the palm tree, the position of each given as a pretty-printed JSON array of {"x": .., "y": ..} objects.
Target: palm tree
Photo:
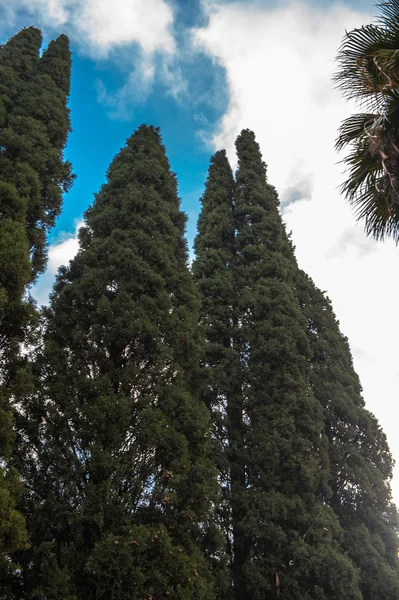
[{"x": 368, "y": 71}]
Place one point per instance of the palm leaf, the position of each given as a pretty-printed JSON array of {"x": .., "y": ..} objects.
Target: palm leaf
[
  {"x": 368, "y": 71},
  {"x": 354, "y": 127},
  {"x": 369, "y": 191},
  {"x": 359, "y": 74},
  {"x": 389, "y": 17},
  {"x": 387, "y": 62}
]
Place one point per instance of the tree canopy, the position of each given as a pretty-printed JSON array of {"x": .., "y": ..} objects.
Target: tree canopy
[
  {"x": 118, "y": 458},
  {"x": 359, "y": 460},
  {"x": 184, "y": 429},
  {"x": 34, "y": 124},
  {"x": 281, "y": 538}
]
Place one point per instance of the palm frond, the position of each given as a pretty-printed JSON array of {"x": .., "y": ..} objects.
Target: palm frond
[
  {"x": 380, "y": 218},
  {"x": 387, "y": 62},
  {"x": 369, "y": 190},
  {"x": 389, "y": 17},
  {"x": 391, "y": 103},
  {"x": 355, "y": 127},
  {"x": 368, "y": 72},
  {"x": 358, "y": 76}
]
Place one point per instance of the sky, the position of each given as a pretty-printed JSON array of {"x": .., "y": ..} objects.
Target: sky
[{"x": 203, "y": 70}]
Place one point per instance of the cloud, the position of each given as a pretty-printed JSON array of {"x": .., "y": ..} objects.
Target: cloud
[
  {"x": 59, "y": 253},
  {"x": 134, "y": 91},
  {"x": 300, "y": 188},
  {"x": 63, "y": 251},
  {"x": 279, "y": 63},
  {"x": 147, "y": 41},
  {"x": 101, "y": 26},
  {"x": 352, "y": 239},
  {"x": 109, "y": 24},
  {"x": 130, "y": 33}
]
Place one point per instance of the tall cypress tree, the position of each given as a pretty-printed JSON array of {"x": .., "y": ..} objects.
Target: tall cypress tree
[
  {"x": 282, "y": 539},
  {"x": 360, "y": 463},
  {"x": 119, "y": 459},
  {"x": 215, "y": 252},
  {"x": 34, "y": 123}
]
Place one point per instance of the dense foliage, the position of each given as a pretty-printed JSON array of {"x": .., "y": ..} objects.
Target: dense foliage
[
  {"x": 34, "y": 123},
  {"x": 195, "y": 434},
  {"x": 280, "y": 538},
  {"x": 116, "y": 438},
  {"x": 360, "y": 464}
]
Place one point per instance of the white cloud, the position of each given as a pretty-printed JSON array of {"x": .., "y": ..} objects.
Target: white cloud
[
  {"x": 131, "y": 33},
  {"x": 138, "y": 38},
  {"x": 108, "y": 24},
  {"x": 63, "y": 251},
  {"x": 279, "y": 64},
  {"x": 101, "y": 26},
  {"x": 59, "y": 253},
  {"x": 133, "y": 92}
]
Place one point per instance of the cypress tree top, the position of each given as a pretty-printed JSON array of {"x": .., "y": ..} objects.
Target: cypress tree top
[
  {"x": 212, "y": 268},
  {"x": 267, "y": 423},
  {"x": 34, "y": 123},
  {"x": 34, "y": 128},
  {"x": 126, "y": 442}
]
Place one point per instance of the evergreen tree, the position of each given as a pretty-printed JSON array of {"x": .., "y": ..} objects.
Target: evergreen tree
[
  {"x": 34, "y": 123},
  {"x": 214, "y": 248},
  {"x": 359, "y": 457},
  {"x": 34, "y": 128},
  {"x": 118, "y": 462},
  {"x": 282, "y": 540},
  {"x": 12, "y": 526}
]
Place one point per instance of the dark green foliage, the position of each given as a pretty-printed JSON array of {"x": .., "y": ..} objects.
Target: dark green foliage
[
  {"x": 119, "y": 459},
  {"x": 360, "y": 463},
  {"x": 33, "y": 175},
  {"x": 281, "y": 540},
  {"x": 146, "y": 559},
  {"x": 12, "y": 526},
  {"x": 214, "y": 247},
  {"x": 34, "y": 123},
  {"x": 34, "y": 92},
  {"x": 112, "y": 439}
]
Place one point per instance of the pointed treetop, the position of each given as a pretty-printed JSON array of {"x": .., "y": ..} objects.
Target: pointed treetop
[
  {"x": 220, "y": 163},
  {"x": 143, "y": 162},
  {"x": 28, "y": 40},
  {"x": 219, "y": 158},
  {"x": 147, "y": 142},
  {"x": 215, "y": 223},
  {"x": 220, "y": 176},
  {"x": 248, "y": 153},
  {"x": 56, "y": 62}
]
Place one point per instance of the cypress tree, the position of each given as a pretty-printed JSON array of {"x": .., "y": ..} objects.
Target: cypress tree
[
  {"x": 214, "y": 248},
  {"x": 34, "y": 130},
  {"x": 12, "y": 525},
  {"x": 119, "y": 463},
  {"x": 360, "y": 463},
  {"x": 283, "y": 541},
  {"x": 34, "y": 124},
  {"x": 33, "y": 175}
]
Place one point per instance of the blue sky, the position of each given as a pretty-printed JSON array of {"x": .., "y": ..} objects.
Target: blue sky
[
  {"x": 202, "y": 70},
  {"x": 98, "y": 134},
  {"x": 100, "y": 128}
]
